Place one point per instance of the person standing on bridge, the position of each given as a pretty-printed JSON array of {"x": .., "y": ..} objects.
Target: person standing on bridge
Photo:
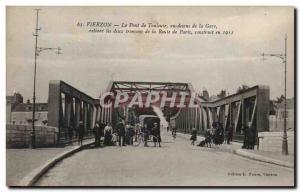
[
  {"x": 246, "y": 138},
  {"x": 229, "y": 133},
  {"x": 97, "y": 134},
  {"x": 127, "y": 134},
  {"x": 156, "y": 134},
  {"x": 146, "y": 133},
  {"x": 194, "y": 136},
  {"x": 101, "y": 134},
  {"x": 121, "y": 132},
  {"x": 174, "y": 130},
  {"x": 137, "y": 131},
  {"x": 80, "y": 132},
  {"x": 130, "y": 132},
  {"x": 251, "y": 136},
  {"x": 108, "y": 135}
]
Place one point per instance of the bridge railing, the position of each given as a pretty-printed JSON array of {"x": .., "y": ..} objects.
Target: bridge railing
[{"x": 247, "y": 108}]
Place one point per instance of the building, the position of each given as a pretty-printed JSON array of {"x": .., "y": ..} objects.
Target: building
[
  {"x": 277, "y": 117},
  {"x": 11, "y": 102},
  {"x": 221, "y": 95},
  {"x": 20, "y": 113}
]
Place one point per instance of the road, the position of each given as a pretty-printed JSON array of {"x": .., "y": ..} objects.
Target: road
[{"x": 176, "y": 163}]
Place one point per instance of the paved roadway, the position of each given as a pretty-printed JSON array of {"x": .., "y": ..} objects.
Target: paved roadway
[{"x": 176, "y": 163}]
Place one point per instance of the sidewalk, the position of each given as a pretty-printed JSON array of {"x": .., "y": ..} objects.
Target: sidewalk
[
  {"x": 21, "y": 162},
  {"x": 263, "y": 156},
  {"x": 267, "y": 157}
]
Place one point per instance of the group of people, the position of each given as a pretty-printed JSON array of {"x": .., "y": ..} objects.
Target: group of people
[
  {"x": 100, "y": 130},
  {"x": 218, "y": 135},
  {"x": 103, "y": 130},
  {"x": 125, "y": 134}
]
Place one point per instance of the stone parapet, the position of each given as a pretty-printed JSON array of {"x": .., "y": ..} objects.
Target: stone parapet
[
  {"x": 272, "y": 141},
  {"x": 18, "y": 136}
]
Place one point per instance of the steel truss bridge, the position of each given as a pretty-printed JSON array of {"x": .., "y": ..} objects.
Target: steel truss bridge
[{"x": 68, "y": 105}]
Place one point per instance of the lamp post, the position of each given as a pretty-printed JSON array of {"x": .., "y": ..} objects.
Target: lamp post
[
  {"x": 37, "y": 51},
  {"x": 284, "y": 60}
]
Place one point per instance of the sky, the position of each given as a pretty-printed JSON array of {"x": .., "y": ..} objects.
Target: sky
[{"x": 90, "y": 60}]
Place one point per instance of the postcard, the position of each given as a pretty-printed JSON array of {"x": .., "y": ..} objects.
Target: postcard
[{"x": 150, "y": 96}]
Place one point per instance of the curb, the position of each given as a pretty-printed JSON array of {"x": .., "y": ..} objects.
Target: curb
[
  {"x": 261, "y": 158},
  {"x": 31, "y": 178},
  {"x": 252, "y": 156}
]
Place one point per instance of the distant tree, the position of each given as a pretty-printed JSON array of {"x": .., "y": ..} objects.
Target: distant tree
[
  {"x": 242, "y": 88},
  {"x": 280, "y": 99}
]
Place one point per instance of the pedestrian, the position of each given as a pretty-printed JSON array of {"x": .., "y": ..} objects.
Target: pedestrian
[
  {"x": 229, "y": 133},
  {"x": 221, "y": 133},
  {"x": 80, "y": 132},
  {"x": 137, "y": 130},
  {"x": 101, "y": 132},
  {"x": 121, "y": 132},
  {"x": 174, "y": 130},
  {"x": 146, "y": 132},
  {"x": 251, "y": 136},
  {"x": 213, "y": 130},
  {"x": 131, "y": 132},
  {"x": 97, "y": 134},
  {"x": 156, "y": 134},
  {"x": 246, "y": 138},
  {"x": 193, "y": 136},
  {"x": 108, "y": 135},
  {"x": 208, "y": 137},
  {"x": 218, "y": 137},
  {"x": 127, "y": 133}
]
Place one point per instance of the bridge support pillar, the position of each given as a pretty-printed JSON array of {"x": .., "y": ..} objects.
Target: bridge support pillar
[
  {"x": 67, "y": 110},
  {"x": 85, "y": 115},
  {"x": 243, "y": 115},
  {"x": 262, "y": 109},
  {"x": 77, "y": 112},
  {"x": 96, "y": 114},
  {"x": 91, "y": 116},
  {"x": 72, "y": 120},
  {"x": 54, "y": 104}
]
